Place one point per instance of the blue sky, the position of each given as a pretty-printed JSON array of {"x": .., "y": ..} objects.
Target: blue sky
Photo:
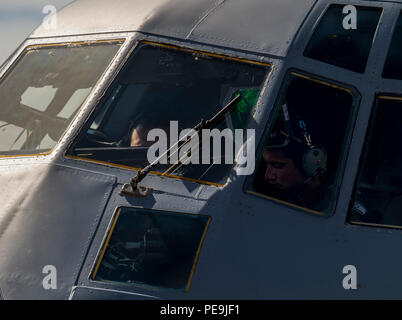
[{"x": 18, "y": 18}]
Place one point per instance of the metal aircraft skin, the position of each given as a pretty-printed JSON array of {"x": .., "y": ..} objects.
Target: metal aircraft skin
[{"x": 61, "y": 211}]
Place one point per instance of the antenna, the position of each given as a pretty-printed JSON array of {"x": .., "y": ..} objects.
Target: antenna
[{"x": 135, "y": 190}]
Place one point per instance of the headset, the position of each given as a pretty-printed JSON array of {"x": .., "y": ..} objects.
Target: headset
[{"x": 314, "y": 157}]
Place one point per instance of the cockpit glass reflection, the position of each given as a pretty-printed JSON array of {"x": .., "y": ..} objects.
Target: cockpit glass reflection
[{"x": 41, "y": 94}]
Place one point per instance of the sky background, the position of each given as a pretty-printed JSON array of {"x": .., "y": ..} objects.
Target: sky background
[{"x": 18, "y": 18}]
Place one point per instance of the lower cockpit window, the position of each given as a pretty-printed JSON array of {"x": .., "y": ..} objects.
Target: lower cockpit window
[
  {"x": 378, "y": 195},
  {"x": 301, "y": 160},
  {"x": 152, "y": 248},
  {"x": 163, "y": 91},
  {"x": 43, "y": 91}
]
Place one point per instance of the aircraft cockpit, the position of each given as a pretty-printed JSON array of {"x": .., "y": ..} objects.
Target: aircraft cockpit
[
  {"x": 163, "y": 86},
  {"x": 89, "y": 106}
]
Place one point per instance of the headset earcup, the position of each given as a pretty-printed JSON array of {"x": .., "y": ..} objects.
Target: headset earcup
[{"x": 314, "y": 158}]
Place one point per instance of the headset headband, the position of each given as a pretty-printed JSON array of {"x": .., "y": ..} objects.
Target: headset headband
[{"x": 314, "y": 158}]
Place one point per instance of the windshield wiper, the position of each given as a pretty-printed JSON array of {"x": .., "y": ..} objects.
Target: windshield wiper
[{"x": 134, "y": 189}]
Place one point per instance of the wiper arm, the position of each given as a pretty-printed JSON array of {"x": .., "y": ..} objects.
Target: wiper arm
[{"x": 134, "y": 189}]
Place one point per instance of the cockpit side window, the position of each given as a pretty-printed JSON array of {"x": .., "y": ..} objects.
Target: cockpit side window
[
  {"x": 161, "y": 92},
  {"x": 393, "y": 64},
  {"x": 43, "y": 91},
  {"x": 346, "y": 48},
  {"x": 378, "y": 193},
  {"x": 301, "y": 159}
]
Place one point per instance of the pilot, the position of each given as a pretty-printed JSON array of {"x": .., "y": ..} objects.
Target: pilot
[
  {"x": 289, "y": 180},
  {"x": 282, "y": 170},
  {"x": 139, "y": 136}
]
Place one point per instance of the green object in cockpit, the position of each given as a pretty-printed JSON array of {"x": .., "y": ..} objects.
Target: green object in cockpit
[{"x": 242, "y": 113}]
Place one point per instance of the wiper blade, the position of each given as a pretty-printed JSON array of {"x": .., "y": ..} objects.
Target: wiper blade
[{"x": 134, "y": 189}]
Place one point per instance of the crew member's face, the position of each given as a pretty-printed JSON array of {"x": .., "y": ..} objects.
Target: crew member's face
[
  {"x": 281, "y": 171},
  {"x": 139, "y": 137}
]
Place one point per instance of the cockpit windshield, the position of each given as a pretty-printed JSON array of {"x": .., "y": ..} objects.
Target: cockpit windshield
[
  {"x": 43, "y": 91},
  {"x": 171, "y": 89}
]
